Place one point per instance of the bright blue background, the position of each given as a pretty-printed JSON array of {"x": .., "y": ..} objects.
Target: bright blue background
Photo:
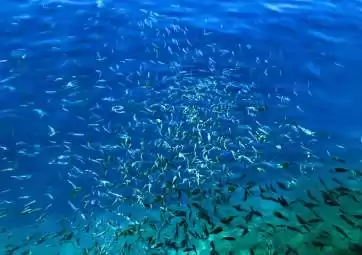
[{"x": 316, "y": 45}]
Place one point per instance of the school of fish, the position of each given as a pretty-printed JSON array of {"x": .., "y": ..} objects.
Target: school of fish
[{"x": 182, "y": 152}]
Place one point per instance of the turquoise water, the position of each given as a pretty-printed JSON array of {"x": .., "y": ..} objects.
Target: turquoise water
[{"x": 102, "y": 103}]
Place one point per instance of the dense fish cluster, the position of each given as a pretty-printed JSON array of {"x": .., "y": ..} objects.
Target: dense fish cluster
[{"x": 163, "y": 141}]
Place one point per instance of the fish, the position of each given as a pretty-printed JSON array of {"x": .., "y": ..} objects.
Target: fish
[
  {"x": 229, "y": 238},
  {"x": 312, "y": 197},
  {"x": 156, "y": 141},
  {"x": 227, "y": 220},
  {"x": 217, "y": 230},
  {"x": 341, "y": 231},
  {"x": 294, "y": 229},
  {"x": 282, "y": 186},
  {"x": 340, "y": 170},
  {"x": 345, "y": 219},
  {"x": 279, "y": 215}
]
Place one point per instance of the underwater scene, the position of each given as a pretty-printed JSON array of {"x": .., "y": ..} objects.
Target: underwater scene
[{"x": 209, "y": 127}]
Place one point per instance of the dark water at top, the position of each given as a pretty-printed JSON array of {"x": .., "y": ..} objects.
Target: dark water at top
[{"x": 54, "y": 55}]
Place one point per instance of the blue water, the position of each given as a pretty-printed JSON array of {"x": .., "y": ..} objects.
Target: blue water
[{"x": 58, "y": 57}]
